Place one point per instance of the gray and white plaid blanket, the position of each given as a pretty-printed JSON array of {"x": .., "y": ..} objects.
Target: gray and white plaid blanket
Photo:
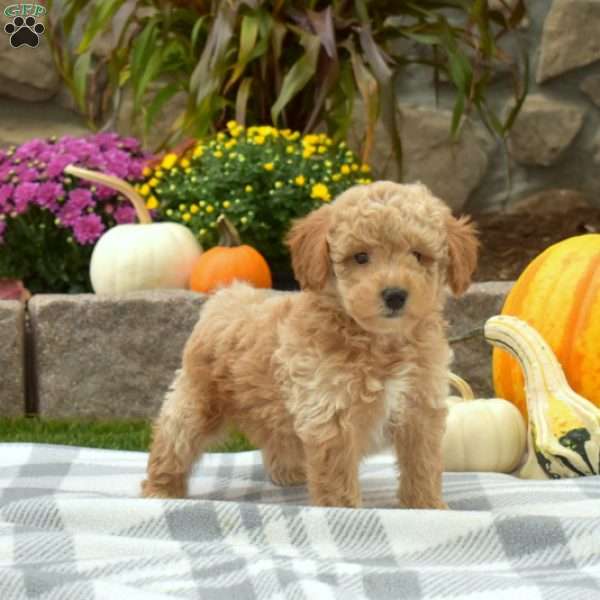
[{"x": 72, "y": 526}]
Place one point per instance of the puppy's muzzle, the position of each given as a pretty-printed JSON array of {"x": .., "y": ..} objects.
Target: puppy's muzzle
[{"x": 394, "y": 299}]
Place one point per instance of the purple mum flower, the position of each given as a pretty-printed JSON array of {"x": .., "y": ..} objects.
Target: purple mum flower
[
  {"x": 57, "y": 164},
  {"x": 125, "y": 214},
  {"x": 48, "y": 193},
  {"x": 24, "y": 194},
  {"x": 5, "y": 194},
  {"x": 88, "y": 229},
  {"x": 80, "y": 198},
  {"x": 69, "y": 214}
]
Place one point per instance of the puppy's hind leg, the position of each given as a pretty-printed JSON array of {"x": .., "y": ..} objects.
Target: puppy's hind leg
[
  {"x": 187, "y": 423},
  {"x": 283, "y": 457}
]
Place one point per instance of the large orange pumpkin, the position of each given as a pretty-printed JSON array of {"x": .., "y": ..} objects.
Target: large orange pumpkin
[
  {"x": 559, "y": 295},
  {"x": 230, "y": 260}
]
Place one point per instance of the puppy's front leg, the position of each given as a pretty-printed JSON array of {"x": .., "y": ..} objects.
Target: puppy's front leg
[
  {"x": 332, "y": 471},
  {"x": 418, "y": 441}
]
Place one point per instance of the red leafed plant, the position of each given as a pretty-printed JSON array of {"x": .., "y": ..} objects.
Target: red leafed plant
[{"x": 282, "y": 62}]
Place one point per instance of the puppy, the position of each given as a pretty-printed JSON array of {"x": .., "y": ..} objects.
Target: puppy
[{"x": 319, "y": 378}]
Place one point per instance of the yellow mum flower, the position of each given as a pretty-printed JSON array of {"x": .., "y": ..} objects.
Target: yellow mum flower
[
  {"x": 226, "y": 204},
  {"x": 194, "y": 209},
  {"x": 210, "y": 208},
  {"x": 230, "y": 144},
  {"x": 152, "y": 203},
  {"x": 266, "y": 130},
  {"x": 198, "y": 152},
  {"x": 182, "y": 208},
  {"x": 248, "y": 188},
  {"x": 220, "y": 136},
  {"x": 268, "y": 166},
  {"x": 232, "y": 124},
  {"x": 158, "y": 173},
  {"x": 322, "y": 149},
  {"x": 300, "y": 180},
  {"x": 186, "y": 217},
  {"x": 365, "y": 168},
  {"x": 310, "y": 140},
  {"x": 320, "y": 191},
  {"x": 217, "y": 154},
  {"x": 184, "y": 162},
  {"x": 354, "y": 167},
  {"x": 145, "y": 190},
  {"x": 169, "y": 160},
  {"x": 259, "y": 139},
  {"x": 345, "y": 169},
  {"x": 290, "y": 149},
  {"x": 236, "y": 132},
  {"x": 147, "y": 171},
  {"x": 153, "y": 182},
  {"x": 336, "y": 177},
  {"x": 308, "y": 151}
]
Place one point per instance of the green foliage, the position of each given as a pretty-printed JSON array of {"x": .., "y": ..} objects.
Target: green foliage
[
  {"x": 47, "y": 258},
  {"x": 116, "y": 435},
  {"x": 292, "y": 64},
  {"x": 260, "y": 178}
]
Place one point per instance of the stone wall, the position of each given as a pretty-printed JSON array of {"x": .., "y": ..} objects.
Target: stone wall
[
  {"x": 83, "y": 355},
  {"x": 555, "y": 142}
]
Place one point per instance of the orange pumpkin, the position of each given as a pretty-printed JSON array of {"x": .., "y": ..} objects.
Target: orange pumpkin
[
  {"x": 229, "y": 261},
  {"x": 559, "y": 295}
]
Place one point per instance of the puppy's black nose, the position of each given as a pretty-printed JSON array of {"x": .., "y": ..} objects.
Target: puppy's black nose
[{"x": 394, "y": 298}]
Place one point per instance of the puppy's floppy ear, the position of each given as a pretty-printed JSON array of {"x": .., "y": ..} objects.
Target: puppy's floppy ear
[
  {"x": 463, "y": 246},
  {"x": 307, "y": 240}
]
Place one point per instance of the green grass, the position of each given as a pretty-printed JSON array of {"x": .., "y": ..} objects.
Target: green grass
[{"x": 115, "y": 435}]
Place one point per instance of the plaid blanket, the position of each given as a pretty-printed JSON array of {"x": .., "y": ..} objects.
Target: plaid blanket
[{"x": 72, "y": 526}]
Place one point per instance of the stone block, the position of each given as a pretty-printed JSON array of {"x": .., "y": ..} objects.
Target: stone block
[
  {"x": 27, "y": 73},
  {"x": 451, "y": 169},
  {"x": 466, "y": 316},
  {"x": 22, "y": 121},
  {"x": 12, "y": 362},
  {"x": 109, "y": 357},
  {"x": 544, "y": 129},
  {"x": 569, "y": 38}
]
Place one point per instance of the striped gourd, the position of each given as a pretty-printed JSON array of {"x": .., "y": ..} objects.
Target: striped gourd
[
  {"x": 564, "y": 428},
  {"x": 559, "y": 295}
]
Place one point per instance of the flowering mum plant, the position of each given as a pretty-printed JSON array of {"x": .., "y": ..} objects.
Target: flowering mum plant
[
  {"x": 260, "y": 178},
  {"x": 49, "y": 221}
]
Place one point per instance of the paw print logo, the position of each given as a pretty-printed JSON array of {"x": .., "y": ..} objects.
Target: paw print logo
[{"x": 24, "y": 31}]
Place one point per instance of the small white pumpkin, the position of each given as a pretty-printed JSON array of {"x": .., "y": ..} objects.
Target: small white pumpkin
[
  {"x": 140, "y": 256},
  {"x": 482, "y": 435}
]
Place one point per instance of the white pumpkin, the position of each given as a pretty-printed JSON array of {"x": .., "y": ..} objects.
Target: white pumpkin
[
  {"x": 482, "y": 435},
  {"x": 143, "y": 256}
]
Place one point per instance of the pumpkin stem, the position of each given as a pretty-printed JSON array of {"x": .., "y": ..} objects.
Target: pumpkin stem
[
  {"x": 461, "y": 386},
  {"x": 228, "y": 234},
  {"x": 116, "y": 184}
]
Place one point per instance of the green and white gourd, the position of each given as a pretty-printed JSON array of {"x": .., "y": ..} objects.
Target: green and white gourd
[{"x": 564, "y": 428}]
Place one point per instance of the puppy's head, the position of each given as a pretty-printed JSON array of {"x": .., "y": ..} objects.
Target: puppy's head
[{"x": 386, "y": 250}]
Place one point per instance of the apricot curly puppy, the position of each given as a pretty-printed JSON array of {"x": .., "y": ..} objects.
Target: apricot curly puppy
[{"x": 319, "y": 378}]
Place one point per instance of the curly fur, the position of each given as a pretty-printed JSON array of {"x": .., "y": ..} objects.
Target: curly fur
[{"x": 319, "y": 378}]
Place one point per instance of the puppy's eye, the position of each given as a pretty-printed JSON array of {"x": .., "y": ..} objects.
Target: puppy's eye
[
  {"x": 361, "y": 258},
  {"x": 418, "y": 256}
]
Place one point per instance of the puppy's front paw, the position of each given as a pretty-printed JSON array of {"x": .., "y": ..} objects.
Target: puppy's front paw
[{"x": 175, "y": 490}]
